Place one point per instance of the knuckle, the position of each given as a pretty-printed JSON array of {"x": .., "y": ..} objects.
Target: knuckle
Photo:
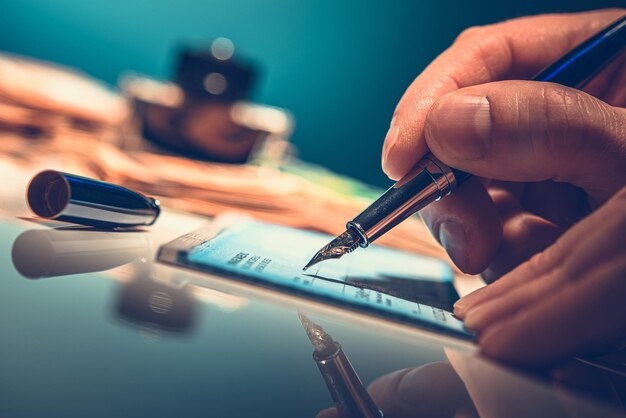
[
  {"x": 620, "y": 196},
  {"x": 613, "y": 123},
  {"x": 547, "y": 261},
  {"x": 560, "y": 109},
  {"x": 614, "y": 210},
  {"x": 489, "y": 53},
  {"x": 496, "y": 55},
  {"x": 471, "y": 33},
  {"x": 616, "y": 10},
  {"x": 538, "y": 264},
  {"x": 573, "y": 118}
]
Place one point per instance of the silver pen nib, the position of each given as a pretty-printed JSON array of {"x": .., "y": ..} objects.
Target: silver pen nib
[
  {"x": 343, "y": 244},
  {"x": 319, "y": 338}
]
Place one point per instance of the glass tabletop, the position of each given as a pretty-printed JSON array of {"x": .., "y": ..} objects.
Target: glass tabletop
[{"x": 92, "y": 325}]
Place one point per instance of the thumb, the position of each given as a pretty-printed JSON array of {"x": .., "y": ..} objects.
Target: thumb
[{"x": 531, "y": 131}]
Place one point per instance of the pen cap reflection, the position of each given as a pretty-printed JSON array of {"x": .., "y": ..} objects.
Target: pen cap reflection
[
  {"x": 49, "y": 252},
  {"x": 67, "y": 197}
]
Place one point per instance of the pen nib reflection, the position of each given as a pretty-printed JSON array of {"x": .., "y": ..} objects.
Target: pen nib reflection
[
  {"x": 343, "y": 244},
  {"x": 320, "y": 340}
]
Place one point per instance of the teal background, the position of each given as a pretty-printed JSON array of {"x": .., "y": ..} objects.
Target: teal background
[{"x": 339, "y": 66}]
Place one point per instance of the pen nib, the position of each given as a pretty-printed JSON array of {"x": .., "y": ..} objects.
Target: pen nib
[
  {"x": 320, "y": 340},
  {"x": 316, "y": 259},
  {"x": 341, "y": 245}
]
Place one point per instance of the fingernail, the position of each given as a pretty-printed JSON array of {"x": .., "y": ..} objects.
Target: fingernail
[
  {"x": 459, "y": 308},
  {"x": 462, "y": 305},
  {"x": 390, "y": 140},
  {"x": 476, "y": 318},
  {"x": 452, "y": 238},
  {"x": 461, "y": 124}
]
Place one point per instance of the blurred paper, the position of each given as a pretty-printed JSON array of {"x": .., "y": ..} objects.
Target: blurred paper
[
  {"x": 296, "y": 195},
  {"x": 56, "y": 92},
  {"x": 52, "y": 117}
]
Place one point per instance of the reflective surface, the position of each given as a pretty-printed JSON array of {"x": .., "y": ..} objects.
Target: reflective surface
[{"x": 91, "y": 326}]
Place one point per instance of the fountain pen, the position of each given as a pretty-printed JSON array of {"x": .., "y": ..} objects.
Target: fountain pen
[
  {"x": 351, "y": 398},
  {"x": 432, "y": 180}
]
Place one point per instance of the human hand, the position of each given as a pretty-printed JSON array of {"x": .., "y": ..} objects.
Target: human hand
[
  {"x": 468, "y": 385},
  {"x": 546, "y": 155},
  {"x": 432, "y": 390},
  {"x": 565, "y": 301}
]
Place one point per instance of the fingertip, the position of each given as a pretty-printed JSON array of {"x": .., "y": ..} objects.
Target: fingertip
[
  {"x": 478, "y": 317},
  {"x": 390, "y": 139},
  {"x": 389, "y": 168},
  {"x": 453, "y": 236},
  {"x": 467, "y": 302},
  {"x": 397, "y": 162},
  {"x": 404, "y": 146},
  {"x": 458, "y": 311},
  {"x": 468, "y": 225}
]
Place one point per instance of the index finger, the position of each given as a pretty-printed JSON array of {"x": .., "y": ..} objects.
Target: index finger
[{"x": 514, "y": 49}]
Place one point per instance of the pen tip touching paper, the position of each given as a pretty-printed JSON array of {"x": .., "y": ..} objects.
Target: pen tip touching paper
[
  {"x": 316, "y": 259},
  {"x": 343, "y": 244}
]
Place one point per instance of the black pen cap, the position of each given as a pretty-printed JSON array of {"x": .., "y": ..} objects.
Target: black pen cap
[{"x": 81, "y": 200}]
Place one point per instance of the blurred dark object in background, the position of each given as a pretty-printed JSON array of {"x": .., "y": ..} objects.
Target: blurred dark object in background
[
  {"x": 205, "y": 113},
  {"x": 215, "y": 72}
]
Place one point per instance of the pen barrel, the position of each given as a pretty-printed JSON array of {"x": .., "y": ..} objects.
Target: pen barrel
[
  {"x": 351, "y": 398},
  {"x": 429, "y": 181},
  {"x": 581, "y": 64},
  {"x": 71, "y": 198}
]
